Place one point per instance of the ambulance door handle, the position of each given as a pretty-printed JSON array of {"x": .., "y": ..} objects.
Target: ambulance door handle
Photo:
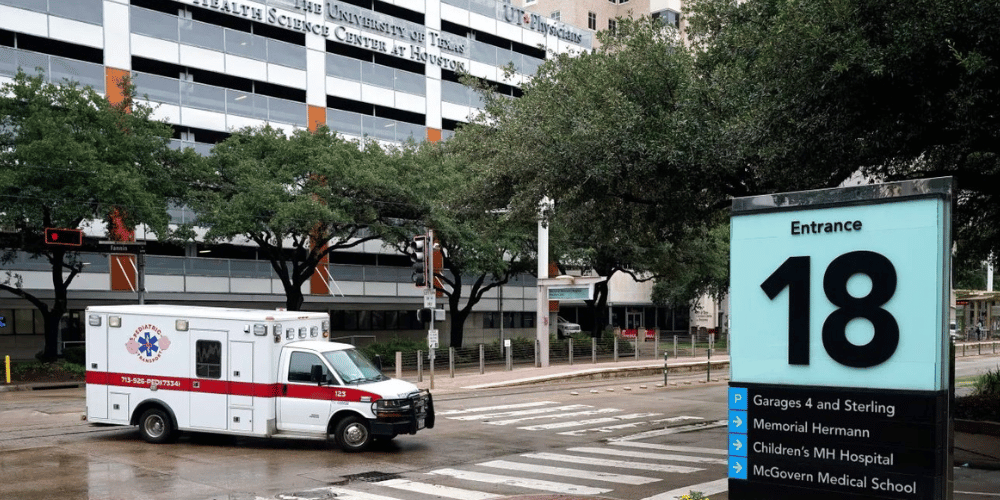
[
  {"x": 197, "y": 385},
  {"x": 284, "y": 390}
]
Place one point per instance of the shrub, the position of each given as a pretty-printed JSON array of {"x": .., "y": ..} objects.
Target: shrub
[
  {"x": 987, "y": 384},
  {"x": 75, "y": 355}
]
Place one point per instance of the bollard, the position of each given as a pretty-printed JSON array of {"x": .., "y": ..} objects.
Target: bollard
[
  {"x": 420, "y": 366},
  {"x": 510, "y": 358},
  {"x": 694, "y": 350},
  {"x": 6, "y": 362},
  {"x": 482, "y": 359},
  {"x": 665, "y": 368},
  {"x": 593, "y": 350},
  {"x": 451, "y": 362},
  {"x": 399, "y": 365},
  {"x": 616, "y": 350},
  {"x": 708, "y": 378},
  {"x": 431, "y": 361},
  {"x": 675, "y": 347},
  {"x": 656, "y": 344},
  {"x": 538, "y": 350},
  {"x": 979, "y": 346},
  {"x": 636, "y": 353},
  {"x": 571, "y": 351}
]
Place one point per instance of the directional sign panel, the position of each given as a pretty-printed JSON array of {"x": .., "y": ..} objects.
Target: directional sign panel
[{"x": 839, "y": 350}]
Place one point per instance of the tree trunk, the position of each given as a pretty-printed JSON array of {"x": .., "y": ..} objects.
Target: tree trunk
[{"x": 294, "y": 298}]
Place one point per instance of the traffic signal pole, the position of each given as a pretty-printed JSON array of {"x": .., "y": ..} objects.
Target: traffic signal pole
[{"x": 542, "y": 296}]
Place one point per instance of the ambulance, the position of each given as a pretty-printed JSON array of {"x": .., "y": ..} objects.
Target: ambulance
[{"x": 262, "y": 373}]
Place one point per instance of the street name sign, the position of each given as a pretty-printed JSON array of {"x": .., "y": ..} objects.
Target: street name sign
[{"x": 840, "y": 354}]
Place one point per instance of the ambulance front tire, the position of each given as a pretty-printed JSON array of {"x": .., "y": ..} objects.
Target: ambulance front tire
[
  {"x": 352, "y": 434},
  {"x": 156, "y": 427}
]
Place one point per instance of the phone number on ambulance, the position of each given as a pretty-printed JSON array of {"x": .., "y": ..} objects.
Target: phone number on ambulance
[{"x": 151, "y": 381}]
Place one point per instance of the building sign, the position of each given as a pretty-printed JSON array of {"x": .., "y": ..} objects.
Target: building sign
[
  {"x": 350, "y": 23},
  {"x": 571, "y": 292},
  {"x": 535, "y": 22},
  {"x": 840, "y": 347}
]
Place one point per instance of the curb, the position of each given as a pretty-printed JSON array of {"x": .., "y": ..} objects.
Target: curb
[
  {"x": 42, "y": 386},
  {"x": 978, "y": 427}
]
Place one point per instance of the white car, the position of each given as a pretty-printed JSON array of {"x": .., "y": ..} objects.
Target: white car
[{"x": 565, "y": 329}]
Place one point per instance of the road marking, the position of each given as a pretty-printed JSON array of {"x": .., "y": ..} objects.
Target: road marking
[
  {"x": 436, "y": 490},
  {"x": 675, "y": 430},
  {"x": 493, "y": 408},
  {"x": 609, "y": 477},
  {"x": 620, "y": 464},
  {"x": 562, "y": 415},
  {"x": 578, "y": 423},
  {"x": 536, "y": 411},
  {"x": 706, "y": 489},
  {"x": 667, "y": 447},
  {"x": 531, "y": 484},
  {"x": 651, "y": 456},
  {"x": 609, "y": 428},
  {"x": 345, "y": 494}
]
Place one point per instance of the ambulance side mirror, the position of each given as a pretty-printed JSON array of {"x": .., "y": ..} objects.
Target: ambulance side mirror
[
  {"x": 316, "y": 374},
  {"x": 378, "y": 362}
]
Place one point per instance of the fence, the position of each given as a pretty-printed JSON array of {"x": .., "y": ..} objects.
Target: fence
[{"x": 523, "y": 353}]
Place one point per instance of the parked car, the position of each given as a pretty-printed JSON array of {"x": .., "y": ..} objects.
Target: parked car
[{"x": 565, "y": 329}]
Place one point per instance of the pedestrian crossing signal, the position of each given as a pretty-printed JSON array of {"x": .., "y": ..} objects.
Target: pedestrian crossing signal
[{"x": 68, "y": 237}]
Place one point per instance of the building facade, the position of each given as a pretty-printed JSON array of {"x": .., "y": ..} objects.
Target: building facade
[
  {"x": 601, "y": 15},
  {"x": 385, "y": 69}
]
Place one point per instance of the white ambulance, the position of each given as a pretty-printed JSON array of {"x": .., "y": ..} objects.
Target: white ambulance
[{"x": 244, "y": 372}]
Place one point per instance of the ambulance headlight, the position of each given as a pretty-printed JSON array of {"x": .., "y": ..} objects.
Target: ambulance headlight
[{"x": 384, "y": 406}]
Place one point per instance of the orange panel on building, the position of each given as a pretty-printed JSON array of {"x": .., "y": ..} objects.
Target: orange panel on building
[
  {"x": 317, "y": 117},
  {"x": 111, "y": 78}
]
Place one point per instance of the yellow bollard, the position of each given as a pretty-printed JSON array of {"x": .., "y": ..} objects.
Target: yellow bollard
[{"x": 6, "y": 362}]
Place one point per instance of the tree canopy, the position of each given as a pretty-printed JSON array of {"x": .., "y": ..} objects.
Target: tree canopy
[
  {"x": 298, "y": 197},
  {"x": 69, "y": 159}
]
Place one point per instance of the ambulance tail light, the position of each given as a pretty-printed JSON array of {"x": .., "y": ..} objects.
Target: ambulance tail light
[
  {"x": 302, "y": 332},
  {"x": 276, "y": 329},
  {"x": 314, "y": 331},
  {"x": 260, "y": 330},
  {"x": 181, "y": 325},
  {"x": 326, "y": 329},
  {"x": 115, "y": 321}
]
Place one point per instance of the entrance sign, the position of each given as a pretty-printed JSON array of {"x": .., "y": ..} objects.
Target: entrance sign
[
  {"x": 840, "y": 349},
  {"x": 585, "y": 292}
]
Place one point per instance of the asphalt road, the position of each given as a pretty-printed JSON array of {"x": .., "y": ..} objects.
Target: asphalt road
[{"x": 611, "y": 439}]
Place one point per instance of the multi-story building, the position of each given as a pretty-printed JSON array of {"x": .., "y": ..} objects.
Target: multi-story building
[
  {"x": 387, "y": 69},
  {"x": 601, "y": 15}
]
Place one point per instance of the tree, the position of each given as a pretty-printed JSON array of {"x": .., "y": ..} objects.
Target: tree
[
  {"x": 810, "y": 94},
  {"x": 697, "y": 266},
  {"x": 298, "y": 198},
  {"x": 70, "y": 159},
  {"x": 618, "y": 139},
  {"x": 482, "y": 246}
]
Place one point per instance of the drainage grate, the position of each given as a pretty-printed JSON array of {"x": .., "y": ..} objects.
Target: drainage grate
[{"x": 372, "y": 477}]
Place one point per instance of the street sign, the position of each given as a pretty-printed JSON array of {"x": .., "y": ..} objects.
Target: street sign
[
  {"x": 432, "y": 339},
  {"x": 839, "y": 350}
]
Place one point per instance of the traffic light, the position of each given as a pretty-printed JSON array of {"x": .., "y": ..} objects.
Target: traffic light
[
  {"x": 418, "y": 256},
  {"x": 425, "y": 315},
  {"x": 57, "y": 236}
]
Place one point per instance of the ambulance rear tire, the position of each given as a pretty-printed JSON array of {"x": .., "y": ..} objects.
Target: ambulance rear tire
[
  {"x": 352, "y": 434},
  {"x": 155, "y": 426}
]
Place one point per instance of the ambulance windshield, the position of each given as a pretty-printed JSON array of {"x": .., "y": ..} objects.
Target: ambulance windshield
[{"x": 353, "y": 367}]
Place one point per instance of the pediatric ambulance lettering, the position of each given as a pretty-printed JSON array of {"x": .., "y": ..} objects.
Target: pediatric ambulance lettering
[
  {"x": 205, "y": 386},
  {"x": 148, "y": 342}
]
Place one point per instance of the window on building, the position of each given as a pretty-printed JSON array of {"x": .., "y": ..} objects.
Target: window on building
[
  {"x": 668, "y": 17},
  {"x": 592, "y": 20},
  {"x": 612, "y": 26},
  {"x": 208, "y": 359},
  {"x": 556, "y": 15}
]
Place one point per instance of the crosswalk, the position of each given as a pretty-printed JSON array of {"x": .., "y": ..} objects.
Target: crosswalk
[{"x": 615, "y": 466}]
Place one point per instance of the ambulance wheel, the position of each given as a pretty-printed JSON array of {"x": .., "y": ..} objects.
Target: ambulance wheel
[
  {"x": 352, "y": 434},
  {"x": 155, "y": 426}
]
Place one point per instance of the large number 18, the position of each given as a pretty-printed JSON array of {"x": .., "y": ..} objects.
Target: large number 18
[{"x": 794, "y": 274}]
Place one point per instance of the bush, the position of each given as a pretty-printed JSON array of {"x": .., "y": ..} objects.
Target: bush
[
  {"x": 75, "y": 355},
  {"x": 987, "y": 384},
  {"x": 387, "y": 350}
]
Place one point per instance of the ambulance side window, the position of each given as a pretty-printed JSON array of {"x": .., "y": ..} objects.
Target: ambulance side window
[
  {"x": 208, "y": 359},
  {"x": 300, "y": 367}
]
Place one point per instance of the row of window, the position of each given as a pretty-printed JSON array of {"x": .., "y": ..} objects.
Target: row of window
[{"x": 491, "y": 320}]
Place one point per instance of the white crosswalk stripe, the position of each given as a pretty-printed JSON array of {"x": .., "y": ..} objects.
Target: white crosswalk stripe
[
  {"x": 618, "y": 464},
  {"x": 667, "y": 447},
  {"x": 343, "y": 494},
  {"x": 493, "y": 408},
  {"x": 585, "y": 413},
  {"x": 650, "y": 456},
  {"x": 531, "y": 484},
  {"x": 592, "y": 421},
  {"x": 535, "y": 411},
  {"x": 709, "y": 488},
  {"x": 436, "y": 490},
  {"x": 609, "y": 477},
  {"x": 609, "y": 428}
]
